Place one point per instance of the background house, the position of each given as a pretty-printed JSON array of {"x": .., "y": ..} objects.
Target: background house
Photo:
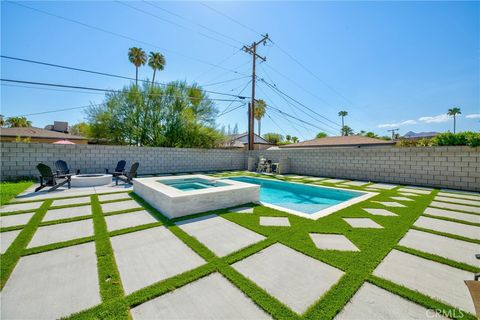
[
  {"x": 240, "y": 141},
  {"x": 51, "y": 134},
  {"x": 341, "y": 141}
]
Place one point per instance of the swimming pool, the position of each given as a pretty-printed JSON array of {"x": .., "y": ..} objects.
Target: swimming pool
[
  {"x": 304, "y": 200},
  {"x": 190, "y": 184}
]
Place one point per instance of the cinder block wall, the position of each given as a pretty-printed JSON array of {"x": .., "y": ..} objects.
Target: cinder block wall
[
  {"x": 20, "y": 159},
  {"x": 443, "y": 167}
]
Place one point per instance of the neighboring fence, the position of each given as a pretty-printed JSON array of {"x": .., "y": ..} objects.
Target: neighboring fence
[
  {"x": 20, "y": 159},
  {"x": 442, "y": 167}
]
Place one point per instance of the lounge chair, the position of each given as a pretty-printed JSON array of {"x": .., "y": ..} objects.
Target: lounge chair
[
  {"x": 119, "y": 169},
  {"x": 128, "y": 175},
  {"x": 62, "y": 168},
  {"x": 48, "y": 178},
  {"x": 474, "y": 288}
]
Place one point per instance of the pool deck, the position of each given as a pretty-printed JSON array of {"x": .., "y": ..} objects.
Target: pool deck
[{"x": 402, "y": 253}]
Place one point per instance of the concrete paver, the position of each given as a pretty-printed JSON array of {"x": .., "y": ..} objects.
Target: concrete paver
[
  {"x": 459, "y": 229},
  {"x": 332, "y": 242},
  {"x": 61, "y": 232},
  {"x": 362, "y": 223},
  {"x": 64, "y": 213},
  {"x": 469, "y": 217},
  {"x": 128, "y": 220},
  {"x": 274, "y": 221}
]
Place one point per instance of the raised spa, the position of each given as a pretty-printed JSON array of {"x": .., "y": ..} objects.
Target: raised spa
[{"x": 177, "y": 196}]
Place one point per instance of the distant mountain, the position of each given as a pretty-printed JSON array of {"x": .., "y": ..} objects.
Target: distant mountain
[{"x": 414, "y": 135}]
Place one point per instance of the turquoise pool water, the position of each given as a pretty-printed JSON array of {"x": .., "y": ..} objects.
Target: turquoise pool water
[
  {"x": 192, "y": 184},
  {"x": 299, "y": 197}
]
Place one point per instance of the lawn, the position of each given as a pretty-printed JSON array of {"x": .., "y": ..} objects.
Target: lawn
[{"x": 374, "y": 245}]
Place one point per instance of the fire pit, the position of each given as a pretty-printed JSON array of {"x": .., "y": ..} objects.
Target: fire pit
[{"x": 91, "y": 180}]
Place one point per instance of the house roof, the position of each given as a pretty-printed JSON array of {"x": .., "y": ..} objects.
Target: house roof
[
  {"x": 342, "y": 141},
  {"x": 34, "y": 132},
  {"x": 242, "y": 139},
  {"x": 411, "y": 134}
]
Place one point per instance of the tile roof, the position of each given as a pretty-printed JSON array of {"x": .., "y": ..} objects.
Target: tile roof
[
  {"x": 341, "y": 141},
  {"x": 34, "y": 132}
]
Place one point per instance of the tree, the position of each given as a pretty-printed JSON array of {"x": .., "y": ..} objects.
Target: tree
[
  {"x": 295, "y": 139},
  {"x": 347, "y": 131},
  {"x": 453, "y": 113},
  {"x": 259, "y": 112},
  {"x": 138, "y": 57},
  {"x": 288, "y": 138},
  {"x": 156, "y": 61},
  {"x": 235, "y": 128},
  {"x": 18, "y": 122},
  {"x": 80, "y": 129},
  {"x": 177, "y": 115},
  {"x": 321, "y": 135},
  {"x": 272, "y": 137},
  {"x": 343, "y": 114},
  {"x": 2, "y": 120}
]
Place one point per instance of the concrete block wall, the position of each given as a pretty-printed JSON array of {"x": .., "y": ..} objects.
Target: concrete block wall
[
  {"x": 442, "y": 167},
  {"x": 20, "y": 159}
]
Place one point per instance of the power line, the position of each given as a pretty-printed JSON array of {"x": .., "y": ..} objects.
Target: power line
[
  {"x": 119, "y": 35},
  {"x": 95, "y": 72},
  {"x": 241, "y": 91},
  {"x": 225, "y": 81},
  {"x": 105, "y": 90},
  {"x": 58, "y": 110},
  {"x": 298, "y": 119},
  {"x": 231, "y": 110},
  {"x": 174, "y": 23},
  {"x": 231, "y": 19},
  {"x": 194, "y": 22},
  {"x": 47, "y": 89},
  {"x": 279, "y": 127}
]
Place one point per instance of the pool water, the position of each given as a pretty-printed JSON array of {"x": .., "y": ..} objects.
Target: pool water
[
  {"x": 299, "y": 197},
  {"x": 192, "y": 184}
]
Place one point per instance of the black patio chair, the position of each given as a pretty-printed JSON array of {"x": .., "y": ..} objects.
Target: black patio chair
[
  {"x": 62, "y": 168},
  {"x": 119, "y": 169},
  {"x": 474, "y": 288},
  {"x": 48, "y": 178},
  {"x": 128, "y": 175}
]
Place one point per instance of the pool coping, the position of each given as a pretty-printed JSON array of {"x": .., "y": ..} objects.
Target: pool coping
[{"x": 321, "y": 213}]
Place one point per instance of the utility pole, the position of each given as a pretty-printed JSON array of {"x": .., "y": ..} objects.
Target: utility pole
[
  {"x": 252, "y": 49},
  {"x": 393, "y": 132}
]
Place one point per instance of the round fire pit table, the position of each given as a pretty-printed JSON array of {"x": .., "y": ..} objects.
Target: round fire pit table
[{"x": 91, "y": 180}]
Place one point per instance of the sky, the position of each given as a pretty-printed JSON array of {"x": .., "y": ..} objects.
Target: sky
[{"x": 388, "y": 64}]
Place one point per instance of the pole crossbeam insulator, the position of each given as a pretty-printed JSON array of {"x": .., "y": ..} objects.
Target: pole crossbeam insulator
[{"x": 252, "y": 49}]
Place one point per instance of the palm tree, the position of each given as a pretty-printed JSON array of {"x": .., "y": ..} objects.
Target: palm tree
[
  {"x": 343, "y": 114},
  {"x": 295, "y": 139},
  {"x": 259, "y": 112},
  {"x": 138, "y": 57},
  {"x": 453, "y": 113},
  {"x": 156, "y": 61},
  {"x": 347, "y": 131},
  {"x": 288, "y": 137}
]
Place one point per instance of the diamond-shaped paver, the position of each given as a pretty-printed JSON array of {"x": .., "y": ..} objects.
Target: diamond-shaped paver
[
  {"x": 211, "y": 297},
  {"x": 119, "y": 206},
  {"x": 334, "y": 180},
  {"x": 15, "y": 219},
  {"x": 52, "y": 284},
  {"x": 379, "y": 212},
  {"x": 460, "y": 201},
  {"x": 114, "y": 196},
  {"x": 372, "y": 302},
  {"x": 355, "y": 183},
  {"x": 401, "y": 198},
  {"x": 332, "y": 242},
  {"x": 31, "y": 206},
  {"x": 64, "y": 213},
  {"x": 459, "y": 229},
  {"x": 128, "y": 220},
  {"x": 408, "y": 194},
  {"x": 362, "y": 223},
  {"x": 242, "y": 210},
  {"x": 470, "y": 196},
  {"x": 66, "y": 202},
  {"x": 453, "y": 206},
  {"x": 147, "y": 256},
  {"x": 293, "y": 278},
  {"x": 315, "y": 179},
  {"x": 219, "y": 235},
  {"x": 274, "y": 221},
  {"x": 469, "y": 217},
  {"x": 6, "y": 239},
  {"x": 456, "y": 250},
  {"x": 390, "y": 204},
  {"x": 61, "y": 232},
  {"x": 431, "y": 278},
  {"x": 385, "y": 186}
]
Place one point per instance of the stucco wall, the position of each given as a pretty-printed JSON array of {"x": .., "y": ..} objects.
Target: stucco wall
[{"x": 444, "y": 167}]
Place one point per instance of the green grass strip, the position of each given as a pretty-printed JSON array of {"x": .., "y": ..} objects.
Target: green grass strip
[
  {"x": 11, "y": 189},
  {"x": 448, "y": 235},
  {"x": 452, "y": 220},
  {"x": 108, "y": 274},
  {"x": 14, "y": 252}
]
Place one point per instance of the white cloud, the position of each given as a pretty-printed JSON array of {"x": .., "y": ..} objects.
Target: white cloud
[
  {"x": 436, "y": 119},
  {"x": 473, "y": 116},
  {"x": 392, "y": 125}
]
